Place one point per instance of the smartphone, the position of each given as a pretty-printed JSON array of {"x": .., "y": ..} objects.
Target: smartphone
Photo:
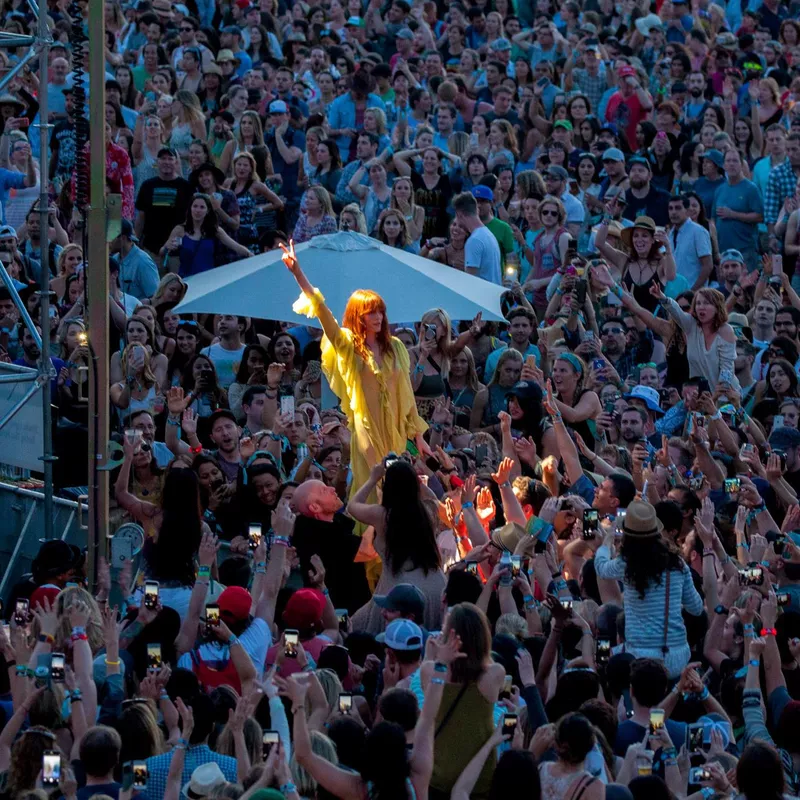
[
  {"x": 603, "y": 652},
  {"x": 732, "y": 485},
  {"x": 530, "y": 362},
  {"x": 619, "y": 523},
  {"x": 752, "y": 575},
  {"x": 345, "y": 702},
  {"x": 57, "y": 668},
  {"x": 782, "y": 456},
  {"x": 777, "y": 421},
  {"x": 783, "y": 598},
  {"x": 140, "y": 774},
  {"x": 699, "y": 774},
  {"x": 22, "y": 611},
  {"x": 472, "y": 567},
  {"x": 542, "y": 82},
  {"x": 591, "y": 520},
  {"x": 481, "y": 454},
  {"x": 699, "y": 419},
  {"x": 694, "y": 737},
  {"x": 268, "y": 740},
  {"x": 508, "y": 683},
  {"x": 779, "y": 546},
  {"x": 656, "y": 720},
  {"x": 212, "y": 617},
  {"x": 343, "y": 617},
  {"x": 510, "y": 724},
  {"x": 566, "y": 603},
  {"x": 154, "y": 657},
  {"x": 254, "y": 535},
  {"x": 121, "y": 551},
  {"x": 610, "y": 407},
  {"x": 23, "y": 122},
  {"x": 287, "y": 405},
  {"x": 127, "y": 776},
  {"x": 516, "y": 565},
  {"x": 777, "y": 266},
  {"x": 151, "y": 594},
  {"x": 745, "y": 449},
  {"x": 580, "y": 293},
  {"x": 51, "y": 768},
  {"x": 291, "y": 638}
]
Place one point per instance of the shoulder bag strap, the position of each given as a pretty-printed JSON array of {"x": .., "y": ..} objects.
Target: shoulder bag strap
[
  {"x": 579, "y": 787},
  {"x": 664, "y": 648},
  {"x": 451, "y": 710}
]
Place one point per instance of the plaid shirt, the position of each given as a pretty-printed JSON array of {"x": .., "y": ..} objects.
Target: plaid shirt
[
  {"x": 593, "y": 87},
  {"x": 640, "y": 354},
  {"x": 197, "y": 755},
  {"x": 780, "y": 185}
]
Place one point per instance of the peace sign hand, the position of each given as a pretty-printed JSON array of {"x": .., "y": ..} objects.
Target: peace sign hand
[{"x": 289, "y": 257}]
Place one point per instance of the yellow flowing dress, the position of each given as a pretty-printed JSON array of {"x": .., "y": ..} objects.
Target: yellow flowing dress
[{"x": 377, "y": 400}]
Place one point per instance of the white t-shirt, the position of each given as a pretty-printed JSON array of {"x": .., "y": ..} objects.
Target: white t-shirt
[
  {"x": 482, "y": 253},
  {"x": 226, "y": 362}
]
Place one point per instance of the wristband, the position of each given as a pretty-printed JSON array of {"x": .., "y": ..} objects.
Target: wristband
[
  {"x": 559, "y": 585},
  {"x": 10, "y": 664},
  {"x": 754, "y": 662},
  {"x": 281, "y": 541},
  {"x": 195, "y": 451},
  {"x": 528, "y": 598},
  {"x": 617, "y": 290},
  {"x": 707, "y": 792},
  {"x": 233, "y": 640},
  {"x": 110, "y": 663},
  {"x": 439, "y": 681},
  {"x": 183, "y": 742},
  {"x": 669, "y": 753},
  {"x": 48, "y": 638},
  {"x": 505, "y": 485},
  {"x": 439, "y": 667},
  {"x": 769, "y": 632},
  {"x": 78, "y": 637},
  {"x": 204, "y": 571},
  {"x": 748, "y": 626},
  {"x": 259, "y": 571},
  {"x": 261, "y": 564},
  {"x": 703, "y": 696},
  {"x": 326, "y": 592},
  {"x": 467, "y": 505},
  {"x": 78, "y": 629},
  {"x": 175, "y": 422},
  {"x": 288, "y": 788}
]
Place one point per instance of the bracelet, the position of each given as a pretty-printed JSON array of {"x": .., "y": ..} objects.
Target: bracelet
[
  {"x": 669, "y": 753},
  {"x": 204, "y": 571},
  {"x": 703, "y": 696},
  {"x": 708, "y": 551},
  {"x": 76, "y": 698},
  {"x": 195, "y": 451},
  {"x": 754, "y": 662},
  {"x": 77, "y": 637},
  {"x": 769, "y": 632},
  {"x": 233, "y": 640},
  {"x": 439, "y": 681},
  {"x": 467, "y": 505},
  {"x": 10, "y": 664},
  {"x": 288, "y": 788},
  {"x": 183, "y": 742},
  {"x": 505, "y": 485},
  {"x": 48, "y": 638},
  {"x": 326, "y": 592},
  {"x": 707, "y": 792},
  {"x": 528, "y": 598},
  {"x": 556, "y": 417},
  {"x": 439, "y": 667},
  {"x": 616, "y": 290},
  {"x": 261, "y": 564},
  {"x": 259, "y": 571},
  {"x": 110, "y": 663},
  {"x": 748, "y": 626},
  {"x": 174, "y": 422},
  {"x": 179, "y": 746}
]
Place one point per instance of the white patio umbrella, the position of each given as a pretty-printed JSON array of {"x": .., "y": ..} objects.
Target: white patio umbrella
[{"x": 338, "y": 264}]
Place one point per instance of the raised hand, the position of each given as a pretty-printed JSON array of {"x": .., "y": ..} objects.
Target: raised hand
[
  {"x": 289, "y": 257},
  {"x": 503, "y": 472},
  {"x": 177, "y": 401}
]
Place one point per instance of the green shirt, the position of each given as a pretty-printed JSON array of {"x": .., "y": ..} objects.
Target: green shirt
[{"x": 505, "y": 238}]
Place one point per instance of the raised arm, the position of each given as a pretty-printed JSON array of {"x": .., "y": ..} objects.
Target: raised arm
[
  {"x": 360, "y": 509},
  {"x": 140, "y": 509}
]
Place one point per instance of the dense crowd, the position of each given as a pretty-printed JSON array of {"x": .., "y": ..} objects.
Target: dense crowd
[{"x": 556, "y": 556}]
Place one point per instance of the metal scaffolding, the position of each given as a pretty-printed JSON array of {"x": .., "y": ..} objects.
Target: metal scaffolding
[{"x": 38, "y": 45}]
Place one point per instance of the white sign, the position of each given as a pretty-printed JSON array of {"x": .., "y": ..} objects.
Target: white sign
[{"x": 21, "y": 439}]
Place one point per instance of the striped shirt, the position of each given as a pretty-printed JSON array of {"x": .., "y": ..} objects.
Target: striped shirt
[
  {"x": 780, "y": 185},
  {"x": 644, "y": 618}
]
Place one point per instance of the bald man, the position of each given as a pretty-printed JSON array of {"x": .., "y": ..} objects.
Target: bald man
[
  {"x": 56, "y": 104},
  {"x": 321, "y": 530}
]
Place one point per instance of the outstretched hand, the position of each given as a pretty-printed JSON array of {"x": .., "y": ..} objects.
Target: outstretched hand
[{"x": 289, "y": 257}]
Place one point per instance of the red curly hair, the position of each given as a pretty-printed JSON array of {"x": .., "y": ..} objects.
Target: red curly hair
[{"x": 361, "y": 303}]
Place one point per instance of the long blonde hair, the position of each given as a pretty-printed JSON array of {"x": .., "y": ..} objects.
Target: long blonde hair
[
  {"x": 62, "y": 257},
  {"x": 355, "y": 210},
  {"x": 324, "y": 199},
  {"x": 193, "y": 111},
  {"x": 258, "y": 129},
  {"x": 147, "y": 372},
  {"x": 445, "y": 346},
  {"x": 172, "y": 277},
  {"x": 411, "y": 201}
]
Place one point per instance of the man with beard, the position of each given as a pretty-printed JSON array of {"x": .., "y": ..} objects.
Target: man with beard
[
  {"x": 614, "y": 343},
  {"x": 366, "y": 150},
  {"x": 696, "y": 107},
  {"x": 320, "y": 530},
  {"x": 521, "y": 323},
  {"x": 729, "y": 273},
  {"x": 691, "y": 244},
  {"x": 644, "y": 200},
  {"x": 30, "y": 358}
]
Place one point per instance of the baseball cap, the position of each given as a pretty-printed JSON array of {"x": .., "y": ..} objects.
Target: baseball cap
[
  {"x": 649, "y": 395},
  {"x": 234, "y": 604},
  {"x": 404, "y": 33},
  {"x": 402, "y": 634},
  {"x": 126, "y": 229},
  {"x": 404, "y": 598},
  {"x": 639, "y": 160},
  {"x": 47, "y": 592},
  {"x": 166, "y": 151},
  {"x": 232, "y": 29},
  {"x": 716, "y": 158},
  {"x": 7, "y": 232},
  {"x": 612, "y": 154},
  {"x": 304, "y": 608},
  {"x": 555, "y": 171},
  {"x": 498, "y": 45},
  {"x": 731, "y": 255},
  {"x": 278, "y": 107},
  {"x": 563, "y": 123},
  {"x": 220, "y": 413},
  {"x": 481, "y": 192},
  {"x": 356, "y": 22}
]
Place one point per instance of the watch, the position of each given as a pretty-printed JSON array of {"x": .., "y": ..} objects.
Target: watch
[{"x": 720, "y": 609}]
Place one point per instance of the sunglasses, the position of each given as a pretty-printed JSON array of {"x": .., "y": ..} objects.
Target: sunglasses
[
  {"x": 613, "y": 331},
  {"x": 548, "y": 213}
]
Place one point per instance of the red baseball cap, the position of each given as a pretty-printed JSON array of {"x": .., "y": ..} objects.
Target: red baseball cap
[
  {"x": 626, "y": 71},
  {"x": 304, "y": 608},
  {"x": 234, "y": 604}
]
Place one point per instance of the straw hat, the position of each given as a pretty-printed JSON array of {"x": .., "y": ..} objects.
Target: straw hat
[
  {"x": 641, "y": 521},
  {"x": 643, "y": 223}
]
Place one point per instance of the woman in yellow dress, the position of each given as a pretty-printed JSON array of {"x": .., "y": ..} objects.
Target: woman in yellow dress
[{"x": 368, "y": 369}]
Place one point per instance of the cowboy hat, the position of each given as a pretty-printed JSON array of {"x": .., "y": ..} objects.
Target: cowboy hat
[
  {"x": 641, "y": 521},
  {"x": 219, "y": 175},
  {"x": 643, "y": 223}
]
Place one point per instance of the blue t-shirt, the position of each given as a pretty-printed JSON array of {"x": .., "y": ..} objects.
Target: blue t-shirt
[
  {"x": 630, "y": 732},
  {"x": 745, "y": 198}
]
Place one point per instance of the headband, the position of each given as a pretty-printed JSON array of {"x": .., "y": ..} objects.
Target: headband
[{"x": 572, "y": 359}]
